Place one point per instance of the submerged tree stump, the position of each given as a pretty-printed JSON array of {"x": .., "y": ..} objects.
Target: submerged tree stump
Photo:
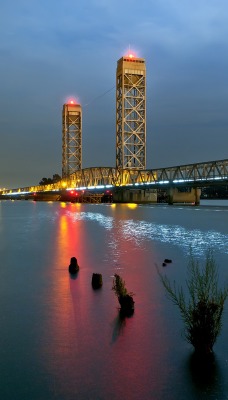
[
  {"x": 97, "y": 281},
  {"x": 73, "y": 267}
]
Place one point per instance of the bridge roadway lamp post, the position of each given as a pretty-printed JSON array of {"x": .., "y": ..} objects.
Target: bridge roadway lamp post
[
  {"x": 71, "y": 138},
  {"x": 131, "y": 113}
]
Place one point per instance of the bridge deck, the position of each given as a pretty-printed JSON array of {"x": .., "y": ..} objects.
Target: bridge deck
[{"x": 195, "y": 175}]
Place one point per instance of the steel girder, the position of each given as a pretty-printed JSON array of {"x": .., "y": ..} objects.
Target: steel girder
[
  {"x": 71, "y": 139},
  {"x": 131, "y": 114},
  {"x": 200, "y": 174},
  {"x": 98, "y": 176}
]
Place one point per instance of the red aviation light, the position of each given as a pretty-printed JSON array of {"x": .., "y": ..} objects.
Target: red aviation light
[
  {"x": 130, "y": 54},
  {"x": 71, "y": 102}
]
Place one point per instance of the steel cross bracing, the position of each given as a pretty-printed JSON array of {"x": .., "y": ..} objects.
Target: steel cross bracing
[
  {"x": 71, "y": 139},
  {"x": 131, "y": 123},
  {"x": 199, "y": 175},
  {"x": 131, "y": 115}
]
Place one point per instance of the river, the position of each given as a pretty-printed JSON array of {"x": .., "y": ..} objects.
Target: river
[{"x": 62, "y": 340}]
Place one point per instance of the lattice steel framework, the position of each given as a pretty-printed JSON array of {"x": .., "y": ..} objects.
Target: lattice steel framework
[
  {"x": 211, "y": 173},
  {"x": 71, "y": 138},
  {"x": 131, "y": 113}
]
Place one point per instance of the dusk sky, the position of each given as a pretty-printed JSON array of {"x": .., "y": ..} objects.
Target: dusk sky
[{"x": 52, "y": 50}]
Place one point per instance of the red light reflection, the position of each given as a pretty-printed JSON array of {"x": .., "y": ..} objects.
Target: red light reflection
[
  {"x": 86, "y": 342},
  {"x": 66, "y": 293}
]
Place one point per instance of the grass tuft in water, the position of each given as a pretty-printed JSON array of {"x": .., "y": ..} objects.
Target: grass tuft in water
[{"x": 201, "y": 309}]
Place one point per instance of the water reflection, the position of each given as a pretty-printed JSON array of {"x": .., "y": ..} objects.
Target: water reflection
[
  {"x": 73, "y": 276},
  {"x": 60, "y": 328},
  {"x": 139, "y": 230},
  {"x": 106, "y": 222},
  {"x": 118, "y": 326},
  {"x": 198, "y": 240},
  {"x": 205, "y": 374},
  {"x": 81, "y": 347}
]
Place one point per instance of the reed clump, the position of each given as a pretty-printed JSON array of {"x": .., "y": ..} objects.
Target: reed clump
[
  {"x": 125, "y": 298},
  {"x": 201, "y": 309}
]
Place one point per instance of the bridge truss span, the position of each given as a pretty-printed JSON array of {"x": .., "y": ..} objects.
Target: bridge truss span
[
  {"x": 195, "y": 175},
  {"x": 93, "y": 177}
]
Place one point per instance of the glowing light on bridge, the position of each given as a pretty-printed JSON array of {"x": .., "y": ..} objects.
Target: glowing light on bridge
[
  {"x": 130, "y": 53},
  {"x": 72, "y": 101}
]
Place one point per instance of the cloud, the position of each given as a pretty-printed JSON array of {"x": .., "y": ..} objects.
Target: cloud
[{"x": 50, "y": 50}]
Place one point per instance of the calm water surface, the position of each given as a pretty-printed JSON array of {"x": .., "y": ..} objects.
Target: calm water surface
[{"x": 60, "y": 339}]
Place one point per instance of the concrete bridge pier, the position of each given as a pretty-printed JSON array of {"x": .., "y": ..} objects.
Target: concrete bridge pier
[
  {"x": 191, "y": 195},
  {"x": 138, "y": 196}
]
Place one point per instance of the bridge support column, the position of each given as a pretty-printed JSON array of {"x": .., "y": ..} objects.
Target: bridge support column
[
  {"x": 134, "y": 196},
  {"x": 197, "y": 196},
  {"x": 176, "y": 195},
  {"x": 170, "y": 195}
]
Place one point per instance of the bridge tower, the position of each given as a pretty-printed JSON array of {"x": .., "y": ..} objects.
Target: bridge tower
[
  {"x": 71, "y": 138},
  {"x": 131, "y": 113}
]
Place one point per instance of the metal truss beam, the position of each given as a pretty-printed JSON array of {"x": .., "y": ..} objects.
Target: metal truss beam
[
  {"x": 131, "y": 113},
  {"x": 197, "y": 175},
  {"x": 71, "y": 139}
]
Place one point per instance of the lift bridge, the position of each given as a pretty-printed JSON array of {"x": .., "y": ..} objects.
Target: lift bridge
[
  {"x": 182, "y": 183},
  {"x": 129, "y": 181}
]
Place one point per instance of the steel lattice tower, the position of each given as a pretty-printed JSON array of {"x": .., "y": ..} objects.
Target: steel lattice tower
[
  {"x": 71, "y": 138},
  {"x": 131, "y": 113}
]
